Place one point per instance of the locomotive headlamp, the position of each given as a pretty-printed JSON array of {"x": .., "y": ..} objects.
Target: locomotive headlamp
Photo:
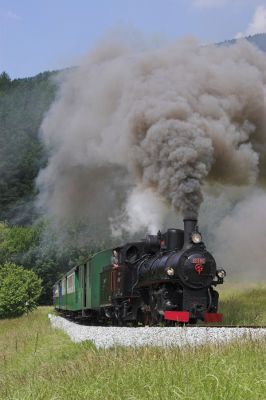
[
  {"x": 221, "y": 273},
  {"x": 196, "y": 237},
  {"x": 170, "y": 271}
]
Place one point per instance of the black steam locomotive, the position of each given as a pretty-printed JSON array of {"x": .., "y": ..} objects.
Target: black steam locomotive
[{"x": 166, "y": 278}]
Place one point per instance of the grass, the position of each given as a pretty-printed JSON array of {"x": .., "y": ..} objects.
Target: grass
[
  {"x": 38, "y": 362},
  {"x": 243, "y": 304}
]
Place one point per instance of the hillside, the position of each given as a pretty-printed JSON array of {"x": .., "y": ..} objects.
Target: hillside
[
  {"x": 258, "y": 40},
  {"x": 23, "y": 103}
]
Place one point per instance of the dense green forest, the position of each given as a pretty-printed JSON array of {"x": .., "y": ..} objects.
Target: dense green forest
[
  {"x": 23, "y": 103},
  {"x": 24, "y": 238}
]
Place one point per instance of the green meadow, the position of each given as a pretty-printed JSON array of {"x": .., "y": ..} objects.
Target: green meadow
[{"x": 38, "y": 362}]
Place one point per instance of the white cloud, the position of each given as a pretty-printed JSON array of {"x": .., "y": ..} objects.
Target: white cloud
[
  {"x": 12, "y": 15},
  {"x": 209, "y": 3},
  {"x": 257, "y": 24}
]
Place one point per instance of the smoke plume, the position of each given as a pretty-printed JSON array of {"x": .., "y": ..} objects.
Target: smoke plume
[
  {"x": 134, "y": 124},
  {"x": 237, "y": 232}
]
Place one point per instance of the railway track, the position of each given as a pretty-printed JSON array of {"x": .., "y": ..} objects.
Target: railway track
[
  {"x": 228, "y": 326},
  {"x": 110, "y": 336},
  {"x": 84, "y": 322}
]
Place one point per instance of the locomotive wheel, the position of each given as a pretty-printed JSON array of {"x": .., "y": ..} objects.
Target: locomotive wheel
[
  {"x": 169, "y": 323},
  {"x": 145, "y": 316},
  {"x": 147, "y": 320},
  {"x": 151, "y": 317}
]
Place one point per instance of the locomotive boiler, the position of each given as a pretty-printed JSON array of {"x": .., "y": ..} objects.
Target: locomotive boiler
[{"x": 166, "y": 278}]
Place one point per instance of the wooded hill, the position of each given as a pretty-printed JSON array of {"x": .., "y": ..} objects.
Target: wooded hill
[{"x": 23, "y": 103}]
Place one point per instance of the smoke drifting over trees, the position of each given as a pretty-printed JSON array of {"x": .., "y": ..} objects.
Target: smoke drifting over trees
[{"x": 162, "y": 120}]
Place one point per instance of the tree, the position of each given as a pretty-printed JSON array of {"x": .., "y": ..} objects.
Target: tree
[
  {"x": 20, "y": 290},
  {"x": 5, "y": 81}
]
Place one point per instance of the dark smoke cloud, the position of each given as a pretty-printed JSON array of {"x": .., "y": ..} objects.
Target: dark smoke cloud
[{"x": 149, "y": 127}]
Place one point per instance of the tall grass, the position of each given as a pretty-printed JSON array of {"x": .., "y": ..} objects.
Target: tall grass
[
  {"x": 38, "y": 362},
  {"x": 243, "y": 304}
]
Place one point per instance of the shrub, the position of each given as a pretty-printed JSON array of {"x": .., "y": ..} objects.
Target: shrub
[{"x": 20, "y": 290}]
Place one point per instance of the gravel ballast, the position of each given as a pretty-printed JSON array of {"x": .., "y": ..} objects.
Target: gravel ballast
[{"x": 105, "y": 337}]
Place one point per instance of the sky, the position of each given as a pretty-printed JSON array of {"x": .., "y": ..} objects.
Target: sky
[{"x": 40, "y": 35}]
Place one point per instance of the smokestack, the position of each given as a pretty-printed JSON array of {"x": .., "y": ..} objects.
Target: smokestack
[{"x": 189, "y": 226}]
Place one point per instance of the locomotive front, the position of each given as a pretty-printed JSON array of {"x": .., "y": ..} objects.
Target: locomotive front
[{"x": 180, "y": 275}]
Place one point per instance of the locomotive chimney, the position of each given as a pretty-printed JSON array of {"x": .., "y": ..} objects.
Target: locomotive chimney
[{"x": 189, "y": 226}]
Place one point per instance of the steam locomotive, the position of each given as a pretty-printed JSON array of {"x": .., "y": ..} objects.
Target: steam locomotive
[{"x": 166, "y": 278}]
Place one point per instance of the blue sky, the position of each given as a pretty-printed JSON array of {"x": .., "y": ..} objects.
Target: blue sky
[{"x": 39, "y": 35}]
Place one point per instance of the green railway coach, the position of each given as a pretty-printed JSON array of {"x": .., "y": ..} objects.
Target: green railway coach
[{"x": 79, "y": 288}]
